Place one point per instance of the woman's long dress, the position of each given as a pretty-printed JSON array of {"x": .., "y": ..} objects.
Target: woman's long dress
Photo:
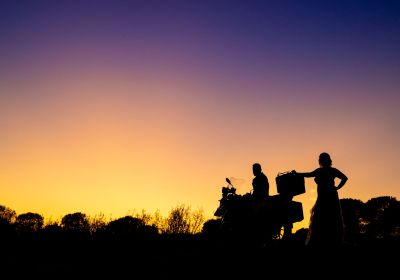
[{"x": 326, "y": 223}]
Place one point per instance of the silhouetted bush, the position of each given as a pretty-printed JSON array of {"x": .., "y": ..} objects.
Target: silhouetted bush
[
  {"x": 7, "y": 218},
  {"x": 181, "y": 220},
  {"x": 52, "y": 231},
  {"x": 29, "y": 223},
  {"x": 381, "y": 217},
  {"x": 97, "y": 224},
  {"x": 211, "y": 228},
  {"x": 378, "y": 218},
  {"x": 352, "y": 210},
  {"x": 75, "y": 223},
  {"x": 7, "y": 214},
  {"x": 127, "y": 226}
]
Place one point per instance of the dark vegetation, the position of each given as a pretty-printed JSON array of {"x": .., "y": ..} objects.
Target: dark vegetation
[{"x": 185, "y": 246}]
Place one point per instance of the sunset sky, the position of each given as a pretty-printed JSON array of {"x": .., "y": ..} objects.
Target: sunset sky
[{"x": 115, "y": 106}]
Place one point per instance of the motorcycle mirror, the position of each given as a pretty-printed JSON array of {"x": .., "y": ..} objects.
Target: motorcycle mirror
[{"x": 229, "y": 181}]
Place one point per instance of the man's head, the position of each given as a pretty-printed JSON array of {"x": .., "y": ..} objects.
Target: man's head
[{"x": 257, "y": 169}]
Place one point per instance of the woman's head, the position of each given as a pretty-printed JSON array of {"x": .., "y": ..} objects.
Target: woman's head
[{"x": 325, "y": 160}]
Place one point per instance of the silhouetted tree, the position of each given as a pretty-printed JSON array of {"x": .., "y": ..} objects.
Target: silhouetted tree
[
  {"x": 7, "y": 214},
  {"x": 29, "y": 222},
  {"x": 125, "y": 226},
  {"x": 211, "y": 228},
  {"x": 76, "y": 222},
  {"x": 391, "y": 220},
  {"x": 7, "y": 218},
  {"x": 51, "y": 230},
  {"x": 158, "y": 221},
  {"x": 178, "y": 220},
  {"x": 381, "y": 217},
  {"x": 196, "y": 221},
  {"x": 145, "y": 217},
  {"x": 97, "y": 223},
  {"x": 352, "y": 210},
  {"x": 181, "y": 220}
]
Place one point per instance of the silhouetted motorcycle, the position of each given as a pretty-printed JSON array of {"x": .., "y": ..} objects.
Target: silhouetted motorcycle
[{"x": 242, "y": 217}]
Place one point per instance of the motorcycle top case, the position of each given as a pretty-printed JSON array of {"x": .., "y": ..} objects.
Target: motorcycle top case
[{"x": 290, "y": 184}]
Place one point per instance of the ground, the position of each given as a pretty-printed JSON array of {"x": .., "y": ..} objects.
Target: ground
[{"x": 194, "y": 258}]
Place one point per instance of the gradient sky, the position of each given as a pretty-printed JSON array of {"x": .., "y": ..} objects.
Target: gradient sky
[{"x": 115, "y": 106}]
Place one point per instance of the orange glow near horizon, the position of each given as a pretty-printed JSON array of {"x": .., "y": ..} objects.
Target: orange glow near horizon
[{"x": 91, "y": 149}]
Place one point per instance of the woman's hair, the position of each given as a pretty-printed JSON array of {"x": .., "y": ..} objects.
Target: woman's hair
[{"x": 325, "y": 160}]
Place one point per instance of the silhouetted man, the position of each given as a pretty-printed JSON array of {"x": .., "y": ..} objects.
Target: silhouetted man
[
  {"x": 260, "y": 205},
  {"x": 260, "y": 184}
]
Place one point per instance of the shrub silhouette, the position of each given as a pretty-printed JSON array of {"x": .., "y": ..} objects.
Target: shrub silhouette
[
  {"x": 126, "y": 226},
  {"x": 352, "y": 210},
  {"x": 7, "y": 218},
  {"x": 97, "y": 224},
  {"x": 381, "y": 217},
  {"x": 378, "y": 218},
  {"x": 178, "y": 220},
  {"x": 76, "y": 222},
  {"x": 211, "y": 228},
  {"x": 181, "y": 220},
  {"x": 7, "y": 214},
  {"x": 51, "y": 231},
  {"x": 29, "y": 223}
]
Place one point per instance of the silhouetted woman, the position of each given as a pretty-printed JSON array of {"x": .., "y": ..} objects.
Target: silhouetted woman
[{"x": 326, "y": 221}]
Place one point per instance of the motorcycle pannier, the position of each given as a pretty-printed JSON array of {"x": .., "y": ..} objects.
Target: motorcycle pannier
[{"x": 295, "y": 212}]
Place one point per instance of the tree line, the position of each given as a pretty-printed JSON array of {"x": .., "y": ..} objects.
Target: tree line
[
  {"x": 180, "y": 220},
  {"x": 376, "y": 219}
]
